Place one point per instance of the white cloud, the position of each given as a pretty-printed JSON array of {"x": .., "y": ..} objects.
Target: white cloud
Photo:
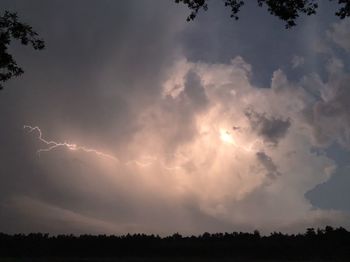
[{"x": 217, "y": 164}]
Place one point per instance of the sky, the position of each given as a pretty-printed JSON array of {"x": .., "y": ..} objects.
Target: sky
[{"x": 133, "y": 120}]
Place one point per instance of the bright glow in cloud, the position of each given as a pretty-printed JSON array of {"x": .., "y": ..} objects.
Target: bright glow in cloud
[{"x": 226, "y": 137}]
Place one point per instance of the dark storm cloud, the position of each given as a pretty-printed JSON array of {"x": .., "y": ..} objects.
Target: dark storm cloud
[
  {"x": 195, "y": 91},
  {"x": 268, "y": 164},
  {"x": 94, "y": 63},
  {"x": 329, "y": 120},
  {"x": 218, "y": 38},
  {"x": 329, "y": 116},
  {"x": 271, "y": 129},
  {"x": 103, "y": 63}
]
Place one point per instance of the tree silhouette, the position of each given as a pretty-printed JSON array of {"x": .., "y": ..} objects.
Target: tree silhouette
[
  {"x": 11, "y": 28},
  {"x": 328, "y": 244},
  {"x": 286, "y": 10}
]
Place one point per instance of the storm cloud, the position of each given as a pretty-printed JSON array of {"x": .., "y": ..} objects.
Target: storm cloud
[{"x": 213, "y": 135}]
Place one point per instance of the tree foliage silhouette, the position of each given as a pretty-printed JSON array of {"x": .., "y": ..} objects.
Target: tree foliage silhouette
[
  {"x": 11, "y": 28},
  {"x": 328, "y": 244},
  {"x": 286, "y": 10}
]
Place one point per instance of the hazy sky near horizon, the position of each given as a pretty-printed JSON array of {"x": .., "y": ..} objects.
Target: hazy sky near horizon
[{"x": 166, "y": 126}]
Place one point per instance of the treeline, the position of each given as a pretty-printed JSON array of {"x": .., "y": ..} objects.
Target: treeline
[{"x": 325, "y": 244}]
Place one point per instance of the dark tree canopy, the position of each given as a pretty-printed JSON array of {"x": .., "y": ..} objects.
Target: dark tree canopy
[
  {"x": 286, "y": 10},
  {"x": 328, "y": 244},
  {"x": 11, "y": 28}
]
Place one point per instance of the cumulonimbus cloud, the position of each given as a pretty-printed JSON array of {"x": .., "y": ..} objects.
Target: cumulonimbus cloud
[
  {"x": 193, "y": 159},
  {"x": 198, "y": 154}
]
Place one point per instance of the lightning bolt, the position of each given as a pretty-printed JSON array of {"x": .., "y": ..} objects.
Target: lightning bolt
[
  {"x": 142, "y": 162},
  {"x": 51, "y": 145}
]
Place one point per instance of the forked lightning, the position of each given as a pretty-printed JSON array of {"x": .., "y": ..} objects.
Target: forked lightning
[{"x": 51, "y": 145}]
